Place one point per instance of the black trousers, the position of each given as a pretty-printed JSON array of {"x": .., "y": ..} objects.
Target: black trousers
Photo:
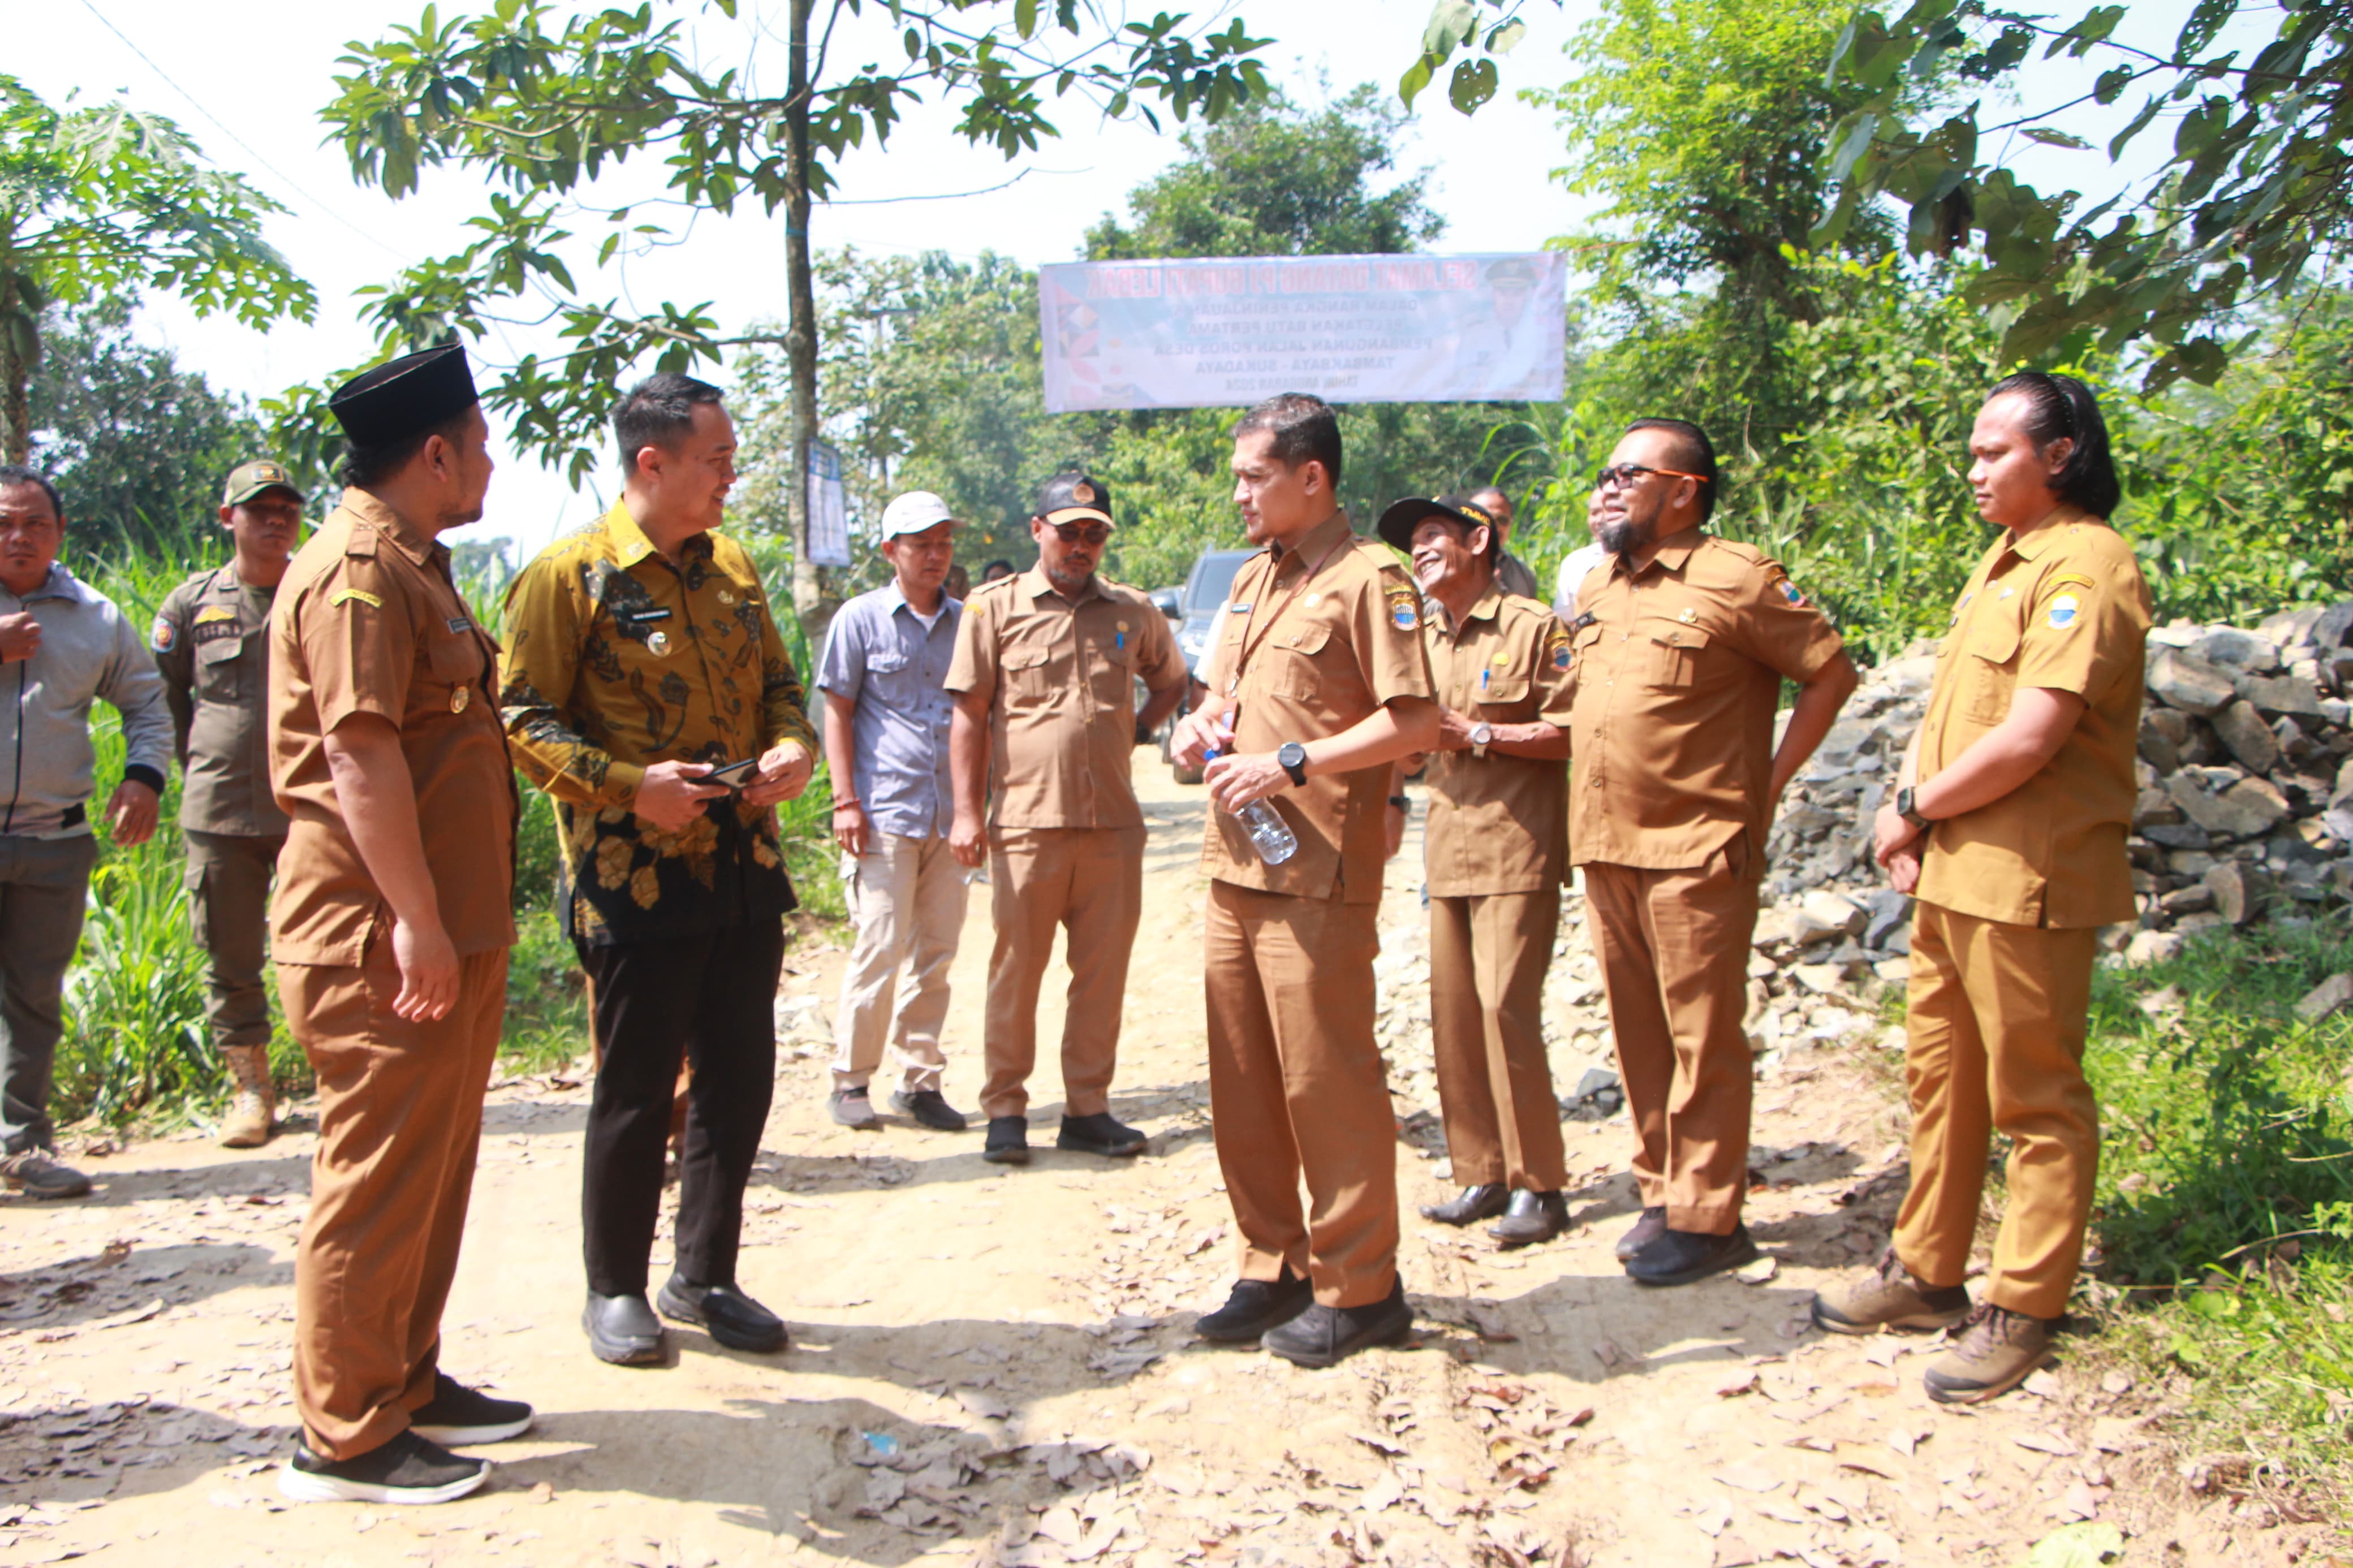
[{"x": 713, "y": 998}]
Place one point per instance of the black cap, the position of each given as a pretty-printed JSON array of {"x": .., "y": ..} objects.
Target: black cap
[
  {"x": 1516, "y": 270},
  {"x": 1069, "y": 497},
  {"x": 403, "y": 397},
  {"x": 1398, "y": 523}
]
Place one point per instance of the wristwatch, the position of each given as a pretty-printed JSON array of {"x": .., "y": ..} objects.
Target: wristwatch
[
  {"x": 1482, "y": 733},
  {"x": 1904, "y": 809},
  {"x": 1293, "y": 757}
]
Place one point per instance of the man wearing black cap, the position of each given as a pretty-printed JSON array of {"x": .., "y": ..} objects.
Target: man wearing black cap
[
  {"x": 1496, "y": 858},
  {"x": 1045, "y": 723},
  {"x": 391, "y": 923}
]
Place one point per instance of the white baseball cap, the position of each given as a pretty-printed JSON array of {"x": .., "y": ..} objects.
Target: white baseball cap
[{"x": 914, "y": 512}]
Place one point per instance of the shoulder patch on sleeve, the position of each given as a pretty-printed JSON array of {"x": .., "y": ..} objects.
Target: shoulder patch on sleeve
[
  {"x": 162, "y": 634},
  {"x": 2060, "y": 582},
  {"x": 1405, "y": 611},
  {"x": 341, "y": 595},
  {"x": 1556, "y": 646},
  {"x": 2063, "y": 612}
]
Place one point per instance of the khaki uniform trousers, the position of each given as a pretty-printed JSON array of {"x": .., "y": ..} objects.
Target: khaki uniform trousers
[
  {"x": 228, "y": 910},
  {"x": 1089, "y": 880},
  {"x": 1998, "y": 1018},
  {"x": 1488, "y": 956},
  {"x": 1673, "y": 948},
  {"x": 400, "y": 1117},
  {"x": 1297, "y": 1088},
  {"x": 907, "y": 897}
]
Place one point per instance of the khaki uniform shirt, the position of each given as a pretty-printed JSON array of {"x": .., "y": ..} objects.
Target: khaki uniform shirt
[
  {"x": 1316, "y": 639},
  {"x": 617, "y": 661},
  {"x": 1060, "y": 678},
  {"x": 2063, "y": 608},
  {"x": 1498, "y": 823},
  {"x": 211, "y": 642},
  {"x": 369, "y": 621},
  {"x": 1679, "y": 670}
]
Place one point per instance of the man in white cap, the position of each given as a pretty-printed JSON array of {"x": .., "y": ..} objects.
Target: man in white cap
[{"x": 884, "y": 677}]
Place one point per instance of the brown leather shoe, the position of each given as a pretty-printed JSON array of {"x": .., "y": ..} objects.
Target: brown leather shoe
[
  {"x": 1647, "y": 1230},
  {"x": 1997, "y": 1351},
  {"x": 1889, "y": 1296}
]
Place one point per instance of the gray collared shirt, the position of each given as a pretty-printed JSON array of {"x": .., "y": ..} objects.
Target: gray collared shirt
[
  {"x": 88, "y": 652},
  {"x": 880, "y": 655}
]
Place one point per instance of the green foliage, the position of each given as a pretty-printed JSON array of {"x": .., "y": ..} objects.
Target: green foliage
[
  {"x": 2256, "y": 195},
  {"x": 103, "y": 202},
  {"x": 1457, "y": 25},
  {"x": 138, "y": 445}
]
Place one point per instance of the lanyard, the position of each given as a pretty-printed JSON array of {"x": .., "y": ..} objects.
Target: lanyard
[{"x": 1250, "y": 645}]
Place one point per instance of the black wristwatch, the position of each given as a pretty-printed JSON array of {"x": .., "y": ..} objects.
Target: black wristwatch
[
  {"x": 1293, "y": 757},
  {"x": 1904, "y": 809}
]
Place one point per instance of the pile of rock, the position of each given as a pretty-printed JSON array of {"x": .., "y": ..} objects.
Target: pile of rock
[{"x": 2245, "y": 806}]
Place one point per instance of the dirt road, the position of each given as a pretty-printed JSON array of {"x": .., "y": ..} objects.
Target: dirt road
[{"x": 995, "y": 1366}]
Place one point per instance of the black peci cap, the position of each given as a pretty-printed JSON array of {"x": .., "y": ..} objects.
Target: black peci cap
[
  {"x": 1066, "y": 497},
  {"x": 404, "y": 397},
  {"x": 1398, "y": 523}
]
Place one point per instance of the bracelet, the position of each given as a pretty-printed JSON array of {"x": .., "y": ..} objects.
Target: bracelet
[
  {"x": 847, "y": 804},
  {"x": 1403, "y": 803}
]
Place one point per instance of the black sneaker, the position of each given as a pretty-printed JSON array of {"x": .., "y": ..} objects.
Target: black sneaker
[
  {"x": 1326, "y": 1336},
  {"x": 407, "y": 1470},
  {"x": 723, "y": 1312},
  {"x": 930, "y": 1108},
  {"x": 1682, "y": 1257},
  {"x": 1009, "y": 1141},
  {"x": 1101, "y": 1134},
  {"x": 1255, "y": 1306},
  {"x": 457, "y": 1416}
]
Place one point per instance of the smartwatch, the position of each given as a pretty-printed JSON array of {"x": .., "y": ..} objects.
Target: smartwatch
[
  {"x": 1909, "y": 813},
  {"x": 1293, "y": 757},
  {"x": 1482, "y": 733}
]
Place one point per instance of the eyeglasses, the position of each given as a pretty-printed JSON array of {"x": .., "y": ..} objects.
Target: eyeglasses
[
  {"x": 1087, "y": 533},
  {"x": 1618, "y": 476}
]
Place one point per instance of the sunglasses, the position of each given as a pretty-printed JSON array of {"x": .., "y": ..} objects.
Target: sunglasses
[
  {"x": 1081, "y": 532},
  {"x": 1622, "y": 475}
]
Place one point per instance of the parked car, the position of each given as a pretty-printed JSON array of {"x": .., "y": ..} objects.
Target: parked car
[{"x": 1196, "y": 608}]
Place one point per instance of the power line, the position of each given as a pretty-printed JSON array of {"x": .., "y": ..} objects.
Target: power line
[{"x": 233, "y": 137}]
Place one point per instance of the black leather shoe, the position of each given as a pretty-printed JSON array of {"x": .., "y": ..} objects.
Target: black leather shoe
[
  {"x": 1647, "y": 1230},
  {"x": 622, "y": 1329},
  {"x": 457, "y": 1416},
  {"x": 1533, "y": 1217},
  {"x": 407, "y": 1471},
  {"x": 1681, "y": 1257},
  {"x": 1101, "y": 1134},
  {"x": 725, "y": 1313},
  {"x": 1325, "y": 1336},
  {"x": 1484, "y": 1201},
  {"x": 1009, "y": 1141},
  {"x": 930, "y": 1108},
  {"x": 1255, "y": 1306}
]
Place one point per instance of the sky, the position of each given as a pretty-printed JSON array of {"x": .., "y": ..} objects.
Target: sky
[{"x": 250, "y": 94}]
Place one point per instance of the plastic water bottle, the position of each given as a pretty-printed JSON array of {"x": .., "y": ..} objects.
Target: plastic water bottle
[{"x": 1268, "y": 832}]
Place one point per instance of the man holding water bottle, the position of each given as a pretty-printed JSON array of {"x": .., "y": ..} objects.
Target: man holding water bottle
[
  {"x": 1318, "y": 683},
  {"x": 1045, "y": 724}
]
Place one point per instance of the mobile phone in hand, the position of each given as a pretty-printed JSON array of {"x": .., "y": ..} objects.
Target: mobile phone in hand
[{"x": 734, "y": 776}]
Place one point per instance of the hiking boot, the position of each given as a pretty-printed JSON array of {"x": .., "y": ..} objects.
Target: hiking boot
[
  {"x": 1101, "y": 1134},
  {"x": 1996, "y": 1351},
  {"x": 1647, "y": 1230},
  {"x": 1254, "y": 1306},
  {"x": 852, "y": 1108},
  {"x": 37, "y": 1174},
  {"x": 1533, "y": 1217},
  {"x": 253, "y": 1101},
  {"x": 408, "y": 1469},
  {"x": 1889, "y": 1296},
  {"x": 1481, "y": 1199},
  {"x": 457, "y": 1415},
  {"x": 1326, "y": 1336},
  {"x": 930, "y": 1109}
]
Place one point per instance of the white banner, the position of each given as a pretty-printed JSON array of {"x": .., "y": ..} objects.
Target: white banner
[
  {"x": 828, "y": 508},
  {"x": 1351, "y": 328}
]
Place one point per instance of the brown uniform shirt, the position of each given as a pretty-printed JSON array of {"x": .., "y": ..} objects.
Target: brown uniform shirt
[
  {"x": 368, "y": 621},
  {"x": 1316, "y": 639},
  {"x": 2066, "y": 608},
  {"x": 1498, "y": 823},
  {"x": 1061, "y": 679},
  {"x": 211, "y": 640},
  {"x": 1678, "y": 671}
]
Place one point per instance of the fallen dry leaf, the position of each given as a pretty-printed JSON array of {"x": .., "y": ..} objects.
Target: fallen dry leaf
[
  {"x": 2047, "y": 1442},
  {"x": 1749, "y": 1476}
]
